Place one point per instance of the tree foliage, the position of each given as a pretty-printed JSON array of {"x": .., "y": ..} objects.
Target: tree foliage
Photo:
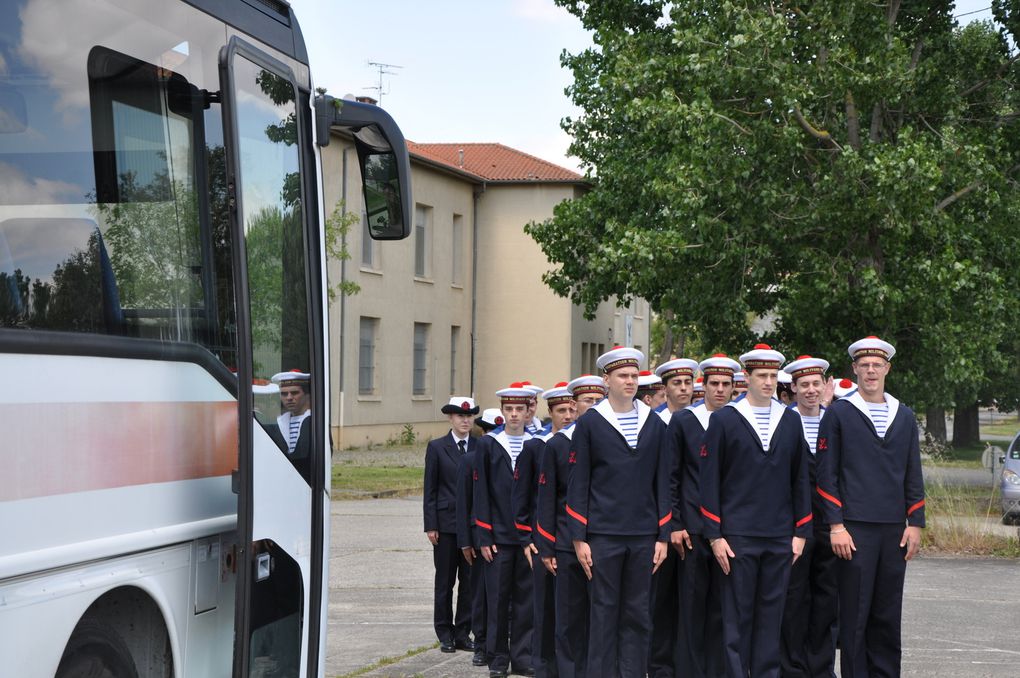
[{"x": 845, "y": 168}]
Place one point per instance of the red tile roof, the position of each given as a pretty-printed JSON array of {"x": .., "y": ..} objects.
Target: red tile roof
[{"x": 494, "y": 162}]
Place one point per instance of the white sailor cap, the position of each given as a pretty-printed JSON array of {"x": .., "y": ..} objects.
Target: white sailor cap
[
  {"x": 699, "y": 385},
  {"x": 647, "y": 380},
  {"x": 492, "y": 416},
  {"x": 871, "y": 346},
  {"x": 264, "y": 387},
  {"x": 784, "y": 377},
  {"x": 587, "y": 383},
  {"x": 558, "y": 395},
  {"x": 679, "y": 367},
  {"x": 535, "y": 390},
  {"x": 460, "y": 405},
  {"x": 719, "y": 363},
  {"x": 843, "y": 388},
  {"x": 762, "y": 356},
  {"x": 805, "y": 365},
  {"x": 291, "y": 377},
  {"x": 739, "y": 378},
  {"x": 620, "y": 356},
  {"x": 517, "y": 392}
]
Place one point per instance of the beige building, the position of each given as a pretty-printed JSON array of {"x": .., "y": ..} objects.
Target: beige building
[{"x": 460, "y": 306}]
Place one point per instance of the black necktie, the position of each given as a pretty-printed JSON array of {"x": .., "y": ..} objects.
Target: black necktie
[{"x": 462, "y": 445}]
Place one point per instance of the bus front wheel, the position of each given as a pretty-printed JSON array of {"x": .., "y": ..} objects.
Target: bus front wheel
[{"x": 94, "y": 651}]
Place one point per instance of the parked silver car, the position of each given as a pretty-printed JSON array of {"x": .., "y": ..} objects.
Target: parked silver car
[{"x": 1009, "y": 484}]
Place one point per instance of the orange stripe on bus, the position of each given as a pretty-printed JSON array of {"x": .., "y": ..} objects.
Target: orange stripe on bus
[{"x": 59, "y": 448}]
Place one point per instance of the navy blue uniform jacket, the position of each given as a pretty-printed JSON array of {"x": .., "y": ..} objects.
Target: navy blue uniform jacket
[
  {"x": 747, "y": 491},
  {"x": 442, "y": 457},
  {"x": 525, "y": 494},
  {"x": 687, "y": 431},
  {"x": 466, "y": 528},
  {"x": 493, "y": 493},
  {"x": 613, "y": 489},
  {"x": 864, "y": 477},
  {"x": 552, "y": 523}
]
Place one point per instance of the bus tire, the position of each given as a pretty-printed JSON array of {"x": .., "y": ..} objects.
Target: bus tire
[{"x": 94, "y": 651}]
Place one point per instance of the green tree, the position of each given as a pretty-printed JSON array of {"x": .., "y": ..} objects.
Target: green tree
[{"x": 847, "y": 168}]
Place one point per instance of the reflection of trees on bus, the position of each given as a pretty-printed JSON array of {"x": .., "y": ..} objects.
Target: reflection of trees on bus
[{"x": 72, "y": 301}]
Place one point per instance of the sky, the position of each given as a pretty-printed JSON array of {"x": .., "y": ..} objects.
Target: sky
[{"x": 470, "y": 70}]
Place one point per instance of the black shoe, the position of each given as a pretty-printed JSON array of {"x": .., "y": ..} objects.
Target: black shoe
[
  {"x": 522, "y": 672},
  {"x": 497, "y": 674},
  {"x": 465, "y": 644},
  {"x": 447, "y": 646},
  {"x": 479, "y": 658}
]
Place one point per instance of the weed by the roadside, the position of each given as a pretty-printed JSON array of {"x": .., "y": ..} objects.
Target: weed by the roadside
[
  {"x": 407, "y": 437},
  {"x": 387, "y": 661},
  {"x": 962, "y": 520}
]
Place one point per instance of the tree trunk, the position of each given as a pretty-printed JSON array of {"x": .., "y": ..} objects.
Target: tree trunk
[
  {"x": 666, "y": 350},
  {"x": 935, "y": 424},
  {"x": 966, "y": 429}
]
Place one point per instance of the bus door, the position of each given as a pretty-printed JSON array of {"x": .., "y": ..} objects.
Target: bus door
[{"x": 281, "y": 450}]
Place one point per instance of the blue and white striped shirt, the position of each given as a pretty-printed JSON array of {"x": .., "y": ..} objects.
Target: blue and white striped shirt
[
  {"x": 628, "y": 424},
  {"x": 811, "y": 430},
  {"x": 763, "y": 416},
  {"x": 879, "y": 417},
  {"x": 516, "y": 445}
]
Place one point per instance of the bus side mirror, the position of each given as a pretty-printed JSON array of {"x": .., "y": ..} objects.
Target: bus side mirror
[
  {"x": 13, "y": 114},
  {"x": 382, "y": 155}
]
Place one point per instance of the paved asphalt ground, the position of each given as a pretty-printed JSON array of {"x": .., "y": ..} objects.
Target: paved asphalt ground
[{"x": 961, "y": 615}]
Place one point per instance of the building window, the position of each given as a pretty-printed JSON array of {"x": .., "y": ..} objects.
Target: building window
[
  {"x": 422, "y": 241},
  {"x": 454, "y": 342},
  {"x": 421, "y": 359},
  {"x": 457, "y": 251},
  {"x": 590, "y": 353},
  {"x": 367, "y": 335},
  {"x": 369, "y": 247}
]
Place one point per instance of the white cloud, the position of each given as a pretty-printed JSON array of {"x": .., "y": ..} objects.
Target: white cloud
[{"x": 18, "y": 189}]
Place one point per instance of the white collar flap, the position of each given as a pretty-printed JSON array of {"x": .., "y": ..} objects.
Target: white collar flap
[
  {"x": 776, "y": 410},
  {"x": 606, "y": 410},
  {"x": 702, "y": 414},
  {"x": 861, "y": 404}
]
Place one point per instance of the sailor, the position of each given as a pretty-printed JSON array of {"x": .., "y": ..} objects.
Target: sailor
[
  {"x": 467, "y": 535},
  {"x": 651, "y": 390},
  {"x": 527, "y": 477},
  {"x": 809, "y": 617},
  {"x": 698, "y": 393},
  {"x": 554, "y": 544},
  {"x": 677, "y": 377},
  {"x": 756, "y": 505},
  {"x": 294, "y": 425},
  {"x": 700, "y": 645},
  {"x": 442, "y": 460},
  {"x": 869, "y": 478},
  {"x": 618, "y": 500},
  {"x": 784, "y": 388},
  {"x": 739, "y": 385},
  {"x": 533, "y": 425},
  {"x": 507, "y": 579}
]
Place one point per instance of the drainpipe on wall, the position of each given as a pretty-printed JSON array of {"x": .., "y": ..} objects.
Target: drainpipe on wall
[
  {"x": 343, "y": 297},
  {"x": 477, "y": 194}
]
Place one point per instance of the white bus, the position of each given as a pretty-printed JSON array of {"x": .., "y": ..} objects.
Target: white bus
[{"x": 161, "y": 256}]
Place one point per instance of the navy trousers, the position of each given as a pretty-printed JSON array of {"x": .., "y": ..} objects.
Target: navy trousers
[
  {"x": 620, "y": 618},
  {"x": 508, "y": 585},
  {"x": 753, "y": 595},
  {"x": 665, "y": 599},
  {"x": 701, "y": 612},
  {"x": 543, "y": 637},
  {"x": 479, "y": 608},
  {"x": 810, "y": 615},
  {"x": 871, "y": 601},
  {"x": 572, "y": 616},
  {"x": 451, "y": 568}
]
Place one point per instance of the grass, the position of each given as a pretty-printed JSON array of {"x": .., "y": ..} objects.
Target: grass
[
  {"x": 387, "y": 661},
  {"x": 350, "y": 481},
  {"x": 960, "y": 521},
  {"x": 962, "y": 457},
  {"x": 1008, "y": 428}
]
